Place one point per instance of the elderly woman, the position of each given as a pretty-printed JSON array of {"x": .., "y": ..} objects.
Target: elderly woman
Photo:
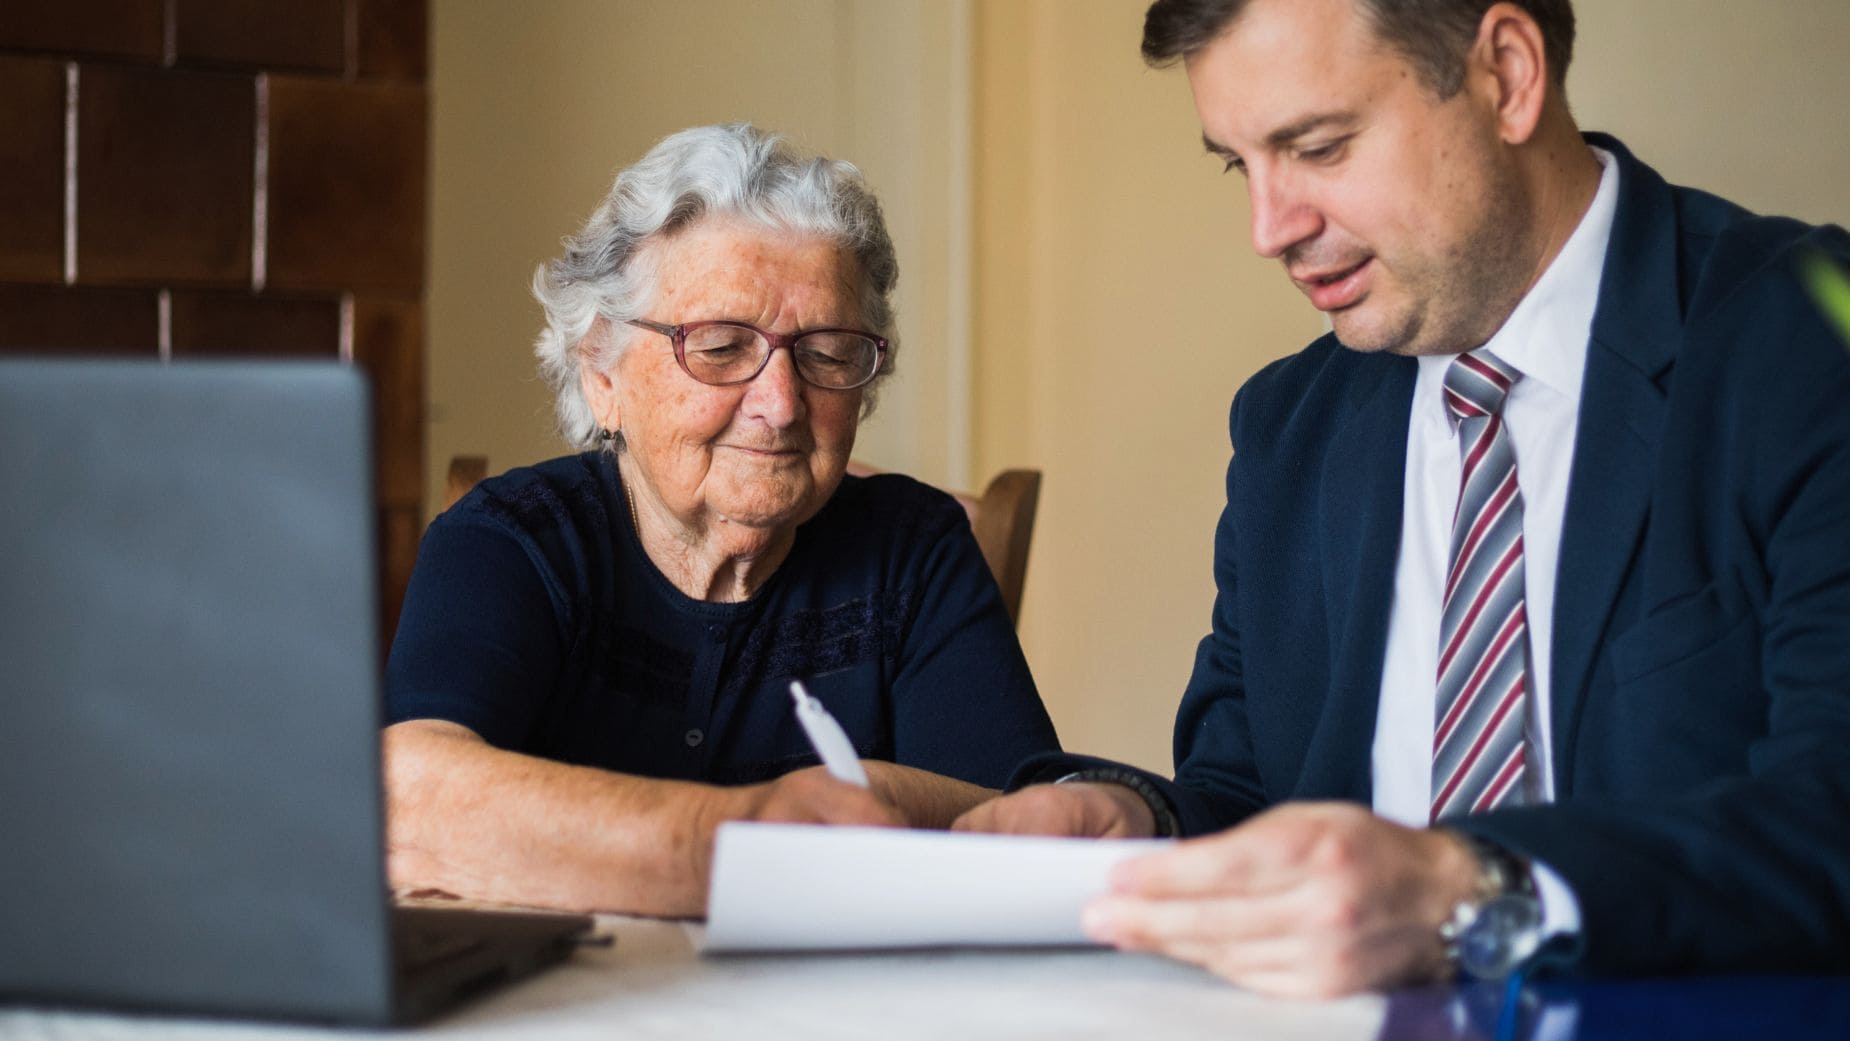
[{"x": 591, "y": 670}]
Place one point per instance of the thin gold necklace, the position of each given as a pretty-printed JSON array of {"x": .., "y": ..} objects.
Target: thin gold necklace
[{"x": 631, "y": 496}]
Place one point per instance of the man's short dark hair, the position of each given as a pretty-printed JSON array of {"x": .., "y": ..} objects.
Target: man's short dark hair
[{"x": 1434, "y": 35}]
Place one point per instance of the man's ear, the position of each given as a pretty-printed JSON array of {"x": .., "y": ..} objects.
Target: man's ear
[{"x": 1509, "y": 63}]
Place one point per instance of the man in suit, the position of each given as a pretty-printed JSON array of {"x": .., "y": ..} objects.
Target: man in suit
[{"x": 1532, "y": 639}]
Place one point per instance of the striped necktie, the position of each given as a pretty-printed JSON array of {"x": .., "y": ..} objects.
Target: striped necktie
[{"x": 1483, "y": 679}]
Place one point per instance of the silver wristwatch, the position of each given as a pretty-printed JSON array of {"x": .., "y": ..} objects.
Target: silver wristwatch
[{"x": 1499, "y": 926}]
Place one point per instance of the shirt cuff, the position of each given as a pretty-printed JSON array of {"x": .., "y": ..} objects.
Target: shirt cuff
[{"x": 1560, "y": 907}]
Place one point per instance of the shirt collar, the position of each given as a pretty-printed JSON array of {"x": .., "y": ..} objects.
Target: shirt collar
[{"x": 1546, "y": 335}]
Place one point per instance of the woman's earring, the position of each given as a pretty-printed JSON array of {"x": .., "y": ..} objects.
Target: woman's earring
[{"x": 612, "y": 436}]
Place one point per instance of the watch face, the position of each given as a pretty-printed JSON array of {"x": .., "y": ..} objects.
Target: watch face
[{"x": 1507, "y": 930}]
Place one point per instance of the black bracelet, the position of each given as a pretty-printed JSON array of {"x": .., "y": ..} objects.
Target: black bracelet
[{"x": 1162, "y": 814}]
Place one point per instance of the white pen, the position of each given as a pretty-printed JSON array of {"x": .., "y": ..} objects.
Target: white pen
[{"x": 826, "y": 736}]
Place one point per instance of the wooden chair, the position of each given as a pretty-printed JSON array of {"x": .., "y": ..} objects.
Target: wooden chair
[
  {"x": 466, "y": 471},
  {"x": 1002, "y": 518}
]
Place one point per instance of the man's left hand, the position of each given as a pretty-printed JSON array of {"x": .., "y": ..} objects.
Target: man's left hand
[{"x": 1305, "y": 900}]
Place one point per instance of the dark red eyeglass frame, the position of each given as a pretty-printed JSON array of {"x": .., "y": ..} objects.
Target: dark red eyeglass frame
[{"x": 677, "y": 334}]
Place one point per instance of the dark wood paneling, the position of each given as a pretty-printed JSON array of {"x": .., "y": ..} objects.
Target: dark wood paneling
[
  {"x": 164, "y": 176},
  {"x": 78, "y": 321},
  {"x": 346, "y": 185},
  {"x": 400, "y": 530},
  {"x": 31, "y": 170},
  {"x": 388, "y": 342},
  {"x": 131, "y": 29},
  {"x": 392, "y": 34},
  {"x": 290, "y": 34},
  {"x": 167, "y": 161},
  {"x": 242, "y": 324}
]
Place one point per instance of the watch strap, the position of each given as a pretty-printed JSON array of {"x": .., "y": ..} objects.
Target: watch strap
[
  {"x": 1503, "y": 877},
  {"x": 1165, "y": 822},
  {"x": 1500, "y": 871}
]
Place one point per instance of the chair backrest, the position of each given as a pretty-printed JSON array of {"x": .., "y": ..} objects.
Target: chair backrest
[
  {"x": 465, "y": 472},
  {"x": 1004, "y": 524},
  {"x": 1002, "y": 518}
]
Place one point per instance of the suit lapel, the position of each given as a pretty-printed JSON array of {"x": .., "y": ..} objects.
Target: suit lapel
[
  {"x": 1359, "y": 535},
  {"x": 1637, "y": 327}
]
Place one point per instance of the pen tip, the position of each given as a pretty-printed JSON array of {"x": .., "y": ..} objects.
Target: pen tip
[{"x": 797, "y": 693}]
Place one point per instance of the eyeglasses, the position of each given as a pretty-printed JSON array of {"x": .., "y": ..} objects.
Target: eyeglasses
[{"x": 722, "y": 353}]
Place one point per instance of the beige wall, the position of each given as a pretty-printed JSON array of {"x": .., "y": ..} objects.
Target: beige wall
[
  {"x": 1748, "y": 100},
  {"x": 1117, "y": 310},
  {"x": 1064, "y": 225}
]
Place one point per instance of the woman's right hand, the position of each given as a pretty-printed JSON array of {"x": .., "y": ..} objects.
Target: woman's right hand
[
  {"x": 815, "y": 796},
  {"x": 807, "y": 796},
  {"x": 472, "y": 819}
]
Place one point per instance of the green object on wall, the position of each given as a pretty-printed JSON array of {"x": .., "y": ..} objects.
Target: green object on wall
[{"x": 1830, "y": 287}]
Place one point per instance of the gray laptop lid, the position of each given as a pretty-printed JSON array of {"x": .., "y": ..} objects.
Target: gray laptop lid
[{"x": 190, "y": 805}]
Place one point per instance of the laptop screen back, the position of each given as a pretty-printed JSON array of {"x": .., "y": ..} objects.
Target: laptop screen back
[{"x": 190, "y": 805}]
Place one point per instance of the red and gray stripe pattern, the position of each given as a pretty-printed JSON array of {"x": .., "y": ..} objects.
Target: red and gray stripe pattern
[{"x": 1483, "y": 679}]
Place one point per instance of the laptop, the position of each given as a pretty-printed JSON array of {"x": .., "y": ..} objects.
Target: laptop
[{"x": 191, "y": 807}]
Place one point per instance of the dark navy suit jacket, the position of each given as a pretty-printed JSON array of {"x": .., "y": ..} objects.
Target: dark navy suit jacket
[{"x": 1701, "y": 690}]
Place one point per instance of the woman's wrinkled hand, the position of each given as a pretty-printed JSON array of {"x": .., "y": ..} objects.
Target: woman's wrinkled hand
[{"x": 814, "y": 796}]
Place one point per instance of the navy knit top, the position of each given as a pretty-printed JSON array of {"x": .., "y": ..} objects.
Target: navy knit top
[{"x": 535, "y": 619}]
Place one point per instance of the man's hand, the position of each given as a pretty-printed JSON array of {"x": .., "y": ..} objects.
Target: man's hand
[
  {"x": 1082, "y": 810},
  {"x": 1306, "y": 900}
]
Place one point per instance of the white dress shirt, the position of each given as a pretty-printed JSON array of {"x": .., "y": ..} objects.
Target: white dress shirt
[{"x": 1546, "y": 339}]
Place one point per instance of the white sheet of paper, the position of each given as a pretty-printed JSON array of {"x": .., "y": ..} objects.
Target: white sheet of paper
[{"x": 807, "y": 887}]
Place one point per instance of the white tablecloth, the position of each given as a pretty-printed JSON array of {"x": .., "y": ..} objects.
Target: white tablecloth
[{"x": 651, "y": 985}]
